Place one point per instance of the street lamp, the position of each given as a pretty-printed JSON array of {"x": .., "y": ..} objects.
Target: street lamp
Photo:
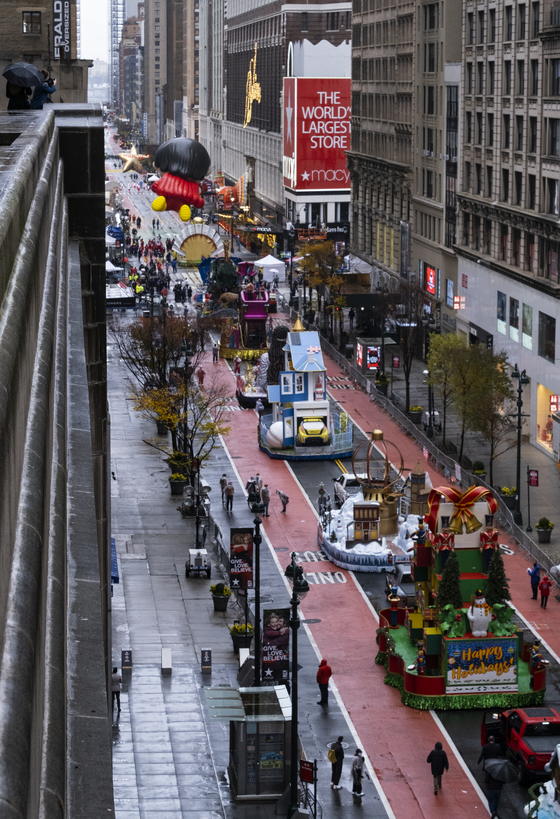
[
  {"x": 522, "y": 378},
  {"x": 258, "y": 509},
  {"x": 430, "y": 430},
  {"x": 300, "y": 587}
]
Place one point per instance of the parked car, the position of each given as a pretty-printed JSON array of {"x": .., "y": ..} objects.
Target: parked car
[
  {"x": 527, "y": 735},
  {"x": 313, "y": 431},
  {"x": 198, "y": 562},
  {"x": 401, "y": 577}
]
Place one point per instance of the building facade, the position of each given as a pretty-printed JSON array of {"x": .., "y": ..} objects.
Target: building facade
[
  {"x": 508, "y": 235},
  {"x": 189, "y": 125},
  {"x": 131, "y": 40},
  {"x": 211, "y": 80},
  {"x": 117, "y": 16}
]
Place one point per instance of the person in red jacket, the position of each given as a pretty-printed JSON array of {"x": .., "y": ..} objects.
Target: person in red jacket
[
  {"x": 544, "y": 588},
  {"x": 323, "y": 676}
]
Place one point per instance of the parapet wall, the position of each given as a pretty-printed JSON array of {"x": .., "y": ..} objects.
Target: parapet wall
[{"x": 55, "y": 752}]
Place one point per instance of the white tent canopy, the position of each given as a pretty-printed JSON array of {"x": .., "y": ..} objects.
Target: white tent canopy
[
  {"x": 110, "y": 267},
  {"x": 272, "y": 267}
]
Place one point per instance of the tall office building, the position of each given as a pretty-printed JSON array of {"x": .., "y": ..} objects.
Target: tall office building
[
  {"x": 117, "y": 15},
  {"x": 189, "y": 120},
  {"x": 509, "y": 219},
  {"x": 211, "y": 79}
]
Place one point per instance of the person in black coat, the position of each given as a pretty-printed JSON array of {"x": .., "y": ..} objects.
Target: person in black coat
[
  {"x": 494, "y": 793},
  {"x": 491, "y": 750},
  {"x": 439, "y": 762},
  {"x": 337, "y": 766}
]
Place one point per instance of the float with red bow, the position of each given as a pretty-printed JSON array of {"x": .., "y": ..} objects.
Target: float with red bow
[{"x": 463, "y": 503}]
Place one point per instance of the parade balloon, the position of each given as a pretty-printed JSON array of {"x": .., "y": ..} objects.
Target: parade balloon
[{"x": 184, "y": 163}]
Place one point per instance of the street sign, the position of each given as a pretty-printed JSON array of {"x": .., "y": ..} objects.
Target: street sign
[
  {"x": 126, "y": 659},
  {"x": 533, "y": 477},
  {"x": 396, "y": 362},
  {"x": 306, "y": 771},
  {"x": 206, "y": 660}
]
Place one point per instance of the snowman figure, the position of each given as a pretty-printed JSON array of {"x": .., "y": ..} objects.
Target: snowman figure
[{"x": 479, "y": 614}]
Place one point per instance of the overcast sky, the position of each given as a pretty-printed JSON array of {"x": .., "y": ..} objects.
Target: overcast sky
[{"x": 94, "y": 29}]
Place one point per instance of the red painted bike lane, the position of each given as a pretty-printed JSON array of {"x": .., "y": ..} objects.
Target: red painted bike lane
[{"x": 396, "y": 739}]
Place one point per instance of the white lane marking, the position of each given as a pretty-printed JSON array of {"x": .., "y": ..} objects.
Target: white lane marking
[
  {"x": 461, "y": 761},
  {"x": 536, "y": 633}
]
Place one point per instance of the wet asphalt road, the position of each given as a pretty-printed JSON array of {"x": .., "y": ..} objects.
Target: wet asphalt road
[{"x": 463, "y": 726}]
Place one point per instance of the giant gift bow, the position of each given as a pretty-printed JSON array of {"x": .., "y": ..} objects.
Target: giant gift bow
[{"x": 463, "y": 502}]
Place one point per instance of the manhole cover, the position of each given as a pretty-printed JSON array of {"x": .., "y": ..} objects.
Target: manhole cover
[
  {"x": 282, "y": 549},
  {"x": 311, "y": 621}
]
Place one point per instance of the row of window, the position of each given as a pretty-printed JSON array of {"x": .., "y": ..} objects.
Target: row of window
[
  {"x": 520, "y": 326},
  {"x": 335, "y": 20},
  {"x": 474, "y": 132},
  {"x": 482, "y": 27},
  {"x": 476, "y": 85},
  {"x": 373, "y": 106},
  {"x": 382, "y": 33}
]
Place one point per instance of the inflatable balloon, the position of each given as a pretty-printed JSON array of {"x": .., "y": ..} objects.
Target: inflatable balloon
[{"x": 184, "y": 163}]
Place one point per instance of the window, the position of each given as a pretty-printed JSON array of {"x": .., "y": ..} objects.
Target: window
[
  {"x": 552, "y": 187},
  {"x": 431, "y": 57},
  {"x": 518, "y": 133},
  {"x": 429, "y": 139},
  {"x": 489, "y": 173},
  {"x": 490, "y": 134},
  {"x": 466, "y": 228},
  {"x": 502, "y": 302},
  {"x": 521, "y": 76},
  {"x": 470, "y": 28},
  {"x": 449, "y": 292},
  {"x": 532, "y": 135},
  {"x": 521, "y": 18},
  {"x": 304, "y": 21},
  {"x": 554, "y": 137},
  {"x": 534, "y": 78},
  {"x": 548, "y": 259},
  {"x": 505, "y": 184},
  {"x": 488, "y": 237},
  {"x": 478, "y": 171},
  {"x": 555, "y": 78},
  {"x": 480, "y": 78},
  {"x": 547, "y": 337},
  {"x": 532, "y": 185},
  {"x": 492, "y": 25},
  {"x": 432, "y": 8},
  {"x": 529, "y": 252},
  {"x": 536, "y": 21},
  {"x": 514, "y": 319},
  {"x": 31, "y": 22},
  {"x": 469, "y": 78},
  {"x": 527, "y": 324},
  {"x": 509, "y": 24},
  {"x": 480, "y": 37},
  {"x": 506, "y": 131},
  {"x": 430, "y": 99},
  {"x": 333, "y": 21},
  {"x": 479, "y": 128},
  {"x": 507, "y": 77},
  {"x": 491, "y": 77},
  {"x": 467, "y": 176},
  {"x": 518, "y": 188},
  {"x": 504, "y": 237},
  {"x": 430, "y": 184},
  {"x": 469, "y": 126}
]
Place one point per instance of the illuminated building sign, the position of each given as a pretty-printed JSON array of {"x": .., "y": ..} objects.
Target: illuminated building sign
[
  {"x": 431, "y": 280},
  {"x": 553, "y": 403},
  {"x": 373, "y": 355},
  {"x": 359, "y": 355},
  {"x": 252, "y": 91},
  {"x": 316, "y": 133}
]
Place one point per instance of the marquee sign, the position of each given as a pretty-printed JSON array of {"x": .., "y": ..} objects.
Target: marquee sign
[
  {"x": 62, "y": 29},
  {"x": 316, "y": 133}
]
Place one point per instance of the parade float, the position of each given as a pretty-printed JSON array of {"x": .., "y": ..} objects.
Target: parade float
[
  {"x": 458, "y": 647},
  {"x": 303, "y": 425}
]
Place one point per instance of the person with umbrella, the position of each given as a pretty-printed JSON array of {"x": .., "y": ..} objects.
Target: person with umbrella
[
  {"x": 20, "y": 77},
  {"x": 498, "y": 772},
  {"x": 41, "y": 93},
  {"x": 491, "y": 750}
]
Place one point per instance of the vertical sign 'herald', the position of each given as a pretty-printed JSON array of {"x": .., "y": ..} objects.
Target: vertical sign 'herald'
[
  {"x": 316, "y": 133},
  {"x": 62, "y": 29}
]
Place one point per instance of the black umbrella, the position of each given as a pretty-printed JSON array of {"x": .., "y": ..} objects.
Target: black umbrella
[
  {"x": 23, "y": 74},
  {"x": 501, "y": 769}
]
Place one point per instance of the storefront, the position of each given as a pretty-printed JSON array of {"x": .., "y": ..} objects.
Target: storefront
[{"x": 547, "y": 405}]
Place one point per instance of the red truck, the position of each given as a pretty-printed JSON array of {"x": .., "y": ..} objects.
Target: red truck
[{"x": 527, "y": 735}]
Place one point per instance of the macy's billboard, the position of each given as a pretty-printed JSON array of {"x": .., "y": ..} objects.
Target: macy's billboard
[{"x": 316, "y": 133}]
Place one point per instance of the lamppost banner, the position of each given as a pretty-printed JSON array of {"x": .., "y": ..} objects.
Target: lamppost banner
[
  {"x": 62, "y": 29},
  {"x": 275, "y": 644},
  {"x": 241, "y": 558}
]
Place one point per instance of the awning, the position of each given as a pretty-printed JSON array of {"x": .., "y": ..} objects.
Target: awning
[{"x": 264, "y": 704}]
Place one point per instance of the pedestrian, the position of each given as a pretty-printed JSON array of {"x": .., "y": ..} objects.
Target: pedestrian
[
  {"x": 439, "y": 762},
  {"x": 494, "y": 793},
  {"x": 153, "y": 224},
  {"x": 17, "y": 96},
  {"x": 157, "y": 224},
  {"x": 236, "y": 365},
  {"x": 229, "y": 491},
  {"x": 324, "y": 673},
  {"x": 337, "y": 764},
  {"x": 41, "y": 92},
  {"x": 351, "y": 317},
  {"x": 491, "y": 750},
  {"x": 535, "y": 575},
  {"x": 200, "y": 374},
  {"x": 223, "y": 484},
  {"x": 250, "y": 486},
  {"x": 265, "y": 497},
  {"x": 116, "y": 680},
  {"x": 258, "y": 482},
  {"x": 138, "y": 222},
  {"x": 544, "y": 588},
  {"x": 284, "y": 498},
  {"x": 357, "y": 772},
  {"x": 215, "y": 353},
  {"x": 259, "y": 406}
]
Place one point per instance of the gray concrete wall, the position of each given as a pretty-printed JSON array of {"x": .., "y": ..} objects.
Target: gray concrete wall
[{"x": 55, "y": 755}]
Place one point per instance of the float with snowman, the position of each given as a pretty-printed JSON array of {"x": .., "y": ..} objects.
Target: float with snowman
[{"x": 458, "y": 648}]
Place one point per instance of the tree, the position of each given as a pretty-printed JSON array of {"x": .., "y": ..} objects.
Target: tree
[
  {"x": 470, "y": 369},
  {"x": 449, "y": 589},
  {"x": 194, "y": 416},
  {"x": 440, "y": 368},
  {"x": 407, "y": 316},
  {"x": 222, "y": 278},
  {"x": 150, "y": 347},
  {"x": 322, "y": 264},
  {"x": 497, "y": 587},
  {"x": 492, "y": 408}
]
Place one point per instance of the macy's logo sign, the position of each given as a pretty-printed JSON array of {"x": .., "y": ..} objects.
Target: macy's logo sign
[{"x": 331, "y": 175}]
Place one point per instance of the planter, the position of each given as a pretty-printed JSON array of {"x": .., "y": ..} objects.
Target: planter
[
  {"x": 480, "y": 476},
  {"x": 544, "y": 535},
  {"x": 161, "y": 428},
  {"x": 220, "y": 602},
  {"x": 177, "y": 487},
  {"x": 415, "y": 416},
  {"x": 509, "y": 501},
  {"x": 241, "y": 641}
]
